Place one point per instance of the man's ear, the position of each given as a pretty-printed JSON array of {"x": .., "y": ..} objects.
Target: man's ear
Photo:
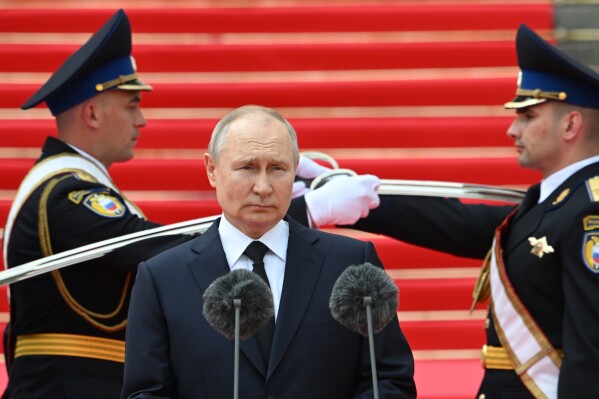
[
  {"x": 90, "y": 112},
  {"x": 573, "y": 121},
  {"x": 210, "y": 169}
]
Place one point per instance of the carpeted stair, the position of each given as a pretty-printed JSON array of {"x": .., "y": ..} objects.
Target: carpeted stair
[{"x": 403, "y": 90}]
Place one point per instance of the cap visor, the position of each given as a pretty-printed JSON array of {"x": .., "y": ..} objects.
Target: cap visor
[
  {"x": 523, "y": 102},
  {"x": 137, "y": 85}
]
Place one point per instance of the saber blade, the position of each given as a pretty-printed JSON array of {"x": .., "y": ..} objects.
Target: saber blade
[
  {"x": 449, "y": 189},
  {"x": 99, "y": 249},
  {"x": 430, "y": 188}
]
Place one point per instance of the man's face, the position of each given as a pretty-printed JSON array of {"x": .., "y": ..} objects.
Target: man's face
[
  {"x": 254, "y": 173},
  {"x": 121, "y": 119},
  {"x": 536, "y": 132}
]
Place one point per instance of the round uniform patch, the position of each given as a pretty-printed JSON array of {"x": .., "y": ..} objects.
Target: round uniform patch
[
  {"x": 105, "y": 205},
  {"x": 590, "y": 251}
]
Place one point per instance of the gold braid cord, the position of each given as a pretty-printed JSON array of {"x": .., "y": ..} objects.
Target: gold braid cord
[
  {"x": 46, "y": 246},
  {"x": 482, "y": 288}
]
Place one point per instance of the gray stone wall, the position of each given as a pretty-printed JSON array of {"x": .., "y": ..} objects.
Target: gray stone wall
[{"x": 577, "y": 29}]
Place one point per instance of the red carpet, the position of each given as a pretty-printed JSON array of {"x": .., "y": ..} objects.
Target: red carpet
[
  {"x": 403, "y": 91},
  {"x": 309, "y": 94},
  {"x": 361, "y": 18}
]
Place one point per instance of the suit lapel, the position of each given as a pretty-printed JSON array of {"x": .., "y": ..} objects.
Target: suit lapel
[
  {"x": 209, "y": 263},
  {"x": 302, "y": 269}
]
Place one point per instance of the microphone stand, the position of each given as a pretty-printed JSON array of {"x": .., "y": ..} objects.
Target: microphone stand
[
  {"x": 367, "y": 304},
  {"x": 237, "y": 305}
]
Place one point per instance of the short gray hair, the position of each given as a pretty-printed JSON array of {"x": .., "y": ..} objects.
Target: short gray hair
[{"x": 219, "y": 134}]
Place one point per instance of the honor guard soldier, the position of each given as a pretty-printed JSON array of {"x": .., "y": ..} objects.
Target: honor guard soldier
[
  {"x": 542, "y": 273},
  {"x": 66, "y": 333},
  {"x": 65, "y": 338}
]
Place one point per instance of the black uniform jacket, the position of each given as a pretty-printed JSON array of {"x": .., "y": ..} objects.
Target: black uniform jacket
[
  {"x": 560, "y": 289},
  {"x": 101, "y": 286}
]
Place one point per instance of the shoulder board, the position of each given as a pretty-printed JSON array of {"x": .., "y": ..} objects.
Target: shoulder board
[
  {"x": 592, "y": 185},
  {"x": 83, "y": 175}
]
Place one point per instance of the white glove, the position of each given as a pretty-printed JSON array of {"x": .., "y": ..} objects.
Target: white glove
[
  {"x": 299, "y": 189},
  {"x": 309, "y": 169},
  {"x": 343, "y": 200}
]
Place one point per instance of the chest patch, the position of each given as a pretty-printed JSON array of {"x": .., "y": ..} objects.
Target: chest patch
[{"x": 104, "y": 204}]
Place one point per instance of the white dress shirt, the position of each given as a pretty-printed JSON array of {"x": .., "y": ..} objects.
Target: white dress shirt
[{"x": 276, "y": 239}]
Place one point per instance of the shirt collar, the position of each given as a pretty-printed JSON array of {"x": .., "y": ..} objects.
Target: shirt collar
[
  {"x": 235, "y": 242},
  {"x": 89, "y": 157},
  {"x": 552, "y": 182}
]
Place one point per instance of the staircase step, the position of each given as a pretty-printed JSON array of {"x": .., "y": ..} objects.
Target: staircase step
[
  {"x": 444, "y": 334},
  {"x": 448, "y": 379},
  {"x": 435, "y": 294},
  {"x": 312, "y": 94},
  {"x": 277, "y": 57},
  {"x": 189, "y": 174},
  {"x": 346, "y": 18},
  {"x": 323, "y": 133}
]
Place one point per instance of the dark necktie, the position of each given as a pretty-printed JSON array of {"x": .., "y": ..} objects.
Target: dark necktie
[{"x": 255, "y": 251}]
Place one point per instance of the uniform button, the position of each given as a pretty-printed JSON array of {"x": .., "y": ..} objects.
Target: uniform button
[
  {"x": 481, "y": 396},
  {"x": 487, "y": 324}
]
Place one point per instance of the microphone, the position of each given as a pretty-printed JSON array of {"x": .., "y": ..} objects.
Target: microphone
[
  {"x": 256, "y": 303},
  {"x": 365, "y": 299},
  {"x": 347, "y": 298},
  {"x": 237, "y": 305}
]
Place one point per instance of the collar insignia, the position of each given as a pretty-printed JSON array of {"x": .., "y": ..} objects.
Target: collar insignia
[{"x": 561, "y": 197}]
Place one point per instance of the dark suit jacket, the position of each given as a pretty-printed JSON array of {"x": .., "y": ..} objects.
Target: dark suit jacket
[
  {"x": 560, "y": 290},
  {"x": 172, "y": 351}
]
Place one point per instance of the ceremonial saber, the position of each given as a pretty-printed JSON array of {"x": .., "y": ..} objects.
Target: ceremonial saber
[
  {"x": 449, "y": 189},
  {"x": 432, "y": 188},
  {"x": 99, "y": 249},
  {"x": 387, "y": 187}
]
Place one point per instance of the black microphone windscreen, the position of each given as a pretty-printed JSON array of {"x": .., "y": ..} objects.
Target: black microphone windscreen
[
  {"x": 347, "y": 298},
  {"x": 256, "y": 303}
]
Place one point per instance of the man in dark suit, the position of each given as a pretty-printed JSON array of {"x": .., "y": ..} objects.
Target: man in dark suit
[
  {"x": 542, "y": 273},
  {"x": 173, "y": 352},
  {"x": 67, "y": 328}
]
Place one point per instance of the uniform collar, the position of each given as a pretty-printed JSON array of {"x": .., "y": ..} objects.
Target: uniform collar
[{"x": 552, "y": 182}]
